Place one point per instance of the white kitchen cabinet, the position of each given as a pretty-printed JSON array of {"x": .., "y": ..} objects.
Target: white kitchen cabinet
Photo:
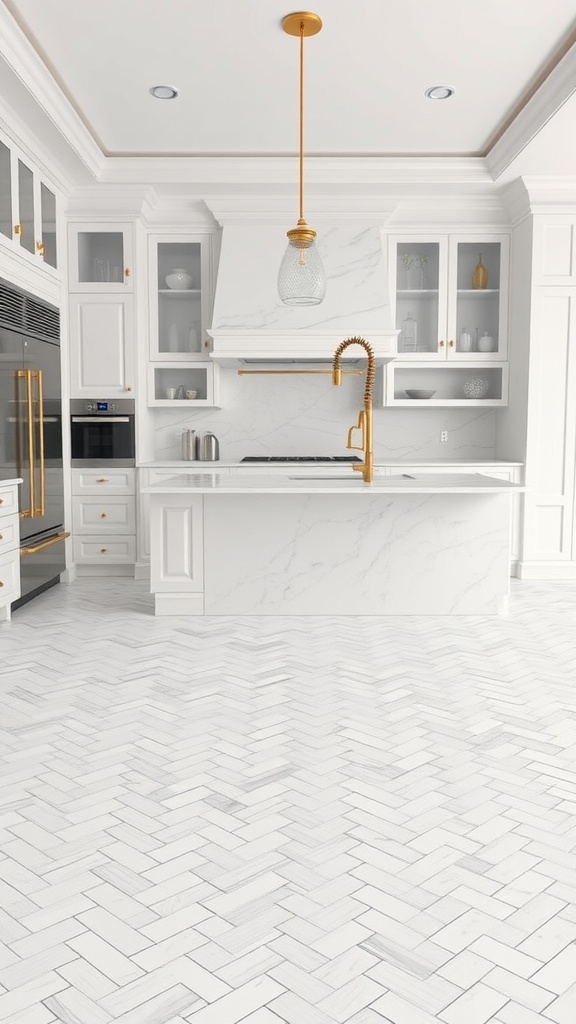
[
  {"x": 102, "y": 346},
  {"x": 435, "y": 302},
  {"x": 176, "y": 559},
  {"x": 9, "y": 549},
  {"x": 104, "y": 519},
  {"x": 180, "y": 290},
  {"x": 101, "y": 258},
  {"x": 29, "y": 209},
  {"x": 452, "y": 385}
]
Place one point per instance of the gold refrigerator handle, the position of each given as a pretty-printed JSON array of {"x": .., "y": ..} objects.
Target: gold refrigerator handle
[
  {"x": 27, "y": 376},
  {"x": 57, "y": 539},
  {"x": 37, "y": 375}
]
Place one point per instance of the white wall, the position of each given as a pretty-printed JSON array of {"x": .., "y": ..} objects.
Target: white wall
[{"x": 307, "y": 415}]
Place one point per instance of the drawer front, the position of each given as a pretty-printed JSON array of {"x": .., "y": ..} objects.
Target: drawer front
[
  {"x": 8, "y": 500},
  {"x": 103, "y": 481},
  {"x": 107, "y": 516},
  {"x": 9, "y": 534},
  {"x": 105, "y": 550},
  {"x": 9, "y": 578}
]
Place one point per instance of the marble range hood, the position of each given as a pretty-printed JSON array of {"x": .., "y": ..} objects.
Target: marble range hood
[{"x": 250, "y": 323}]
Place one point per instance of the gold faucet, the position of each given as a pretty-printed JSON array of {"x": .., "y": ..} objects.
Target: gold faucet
[{"x": 365, "y": 416}]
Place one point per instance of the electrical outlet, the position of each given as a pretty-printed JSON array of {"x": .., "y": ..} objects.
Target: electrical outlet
[{"x": 443, "y": 436}]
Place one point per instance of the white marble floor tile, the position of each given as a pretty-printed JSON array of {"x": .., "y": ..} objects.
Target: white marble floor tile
[{"x": 286, "y": 821}]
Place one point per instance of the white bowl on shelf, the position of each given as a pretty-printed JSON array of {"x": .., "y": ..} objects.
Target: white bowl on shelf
[
  {"x": 179, "y": 279},
  {"x": 419, "y": 393}
]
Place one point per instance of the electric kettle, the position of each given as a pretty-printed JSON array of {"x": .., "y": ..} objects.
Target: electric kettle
[{"x": 208, "y": 448}]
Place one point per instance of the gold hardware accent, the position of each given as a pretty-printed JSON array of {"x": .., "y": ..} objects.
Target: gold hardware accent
[
  {"x": 365, "y": 416},
  {"x": 302, "y": 24},
  {"x": 128, "y": 389},
  {"x": 127, "y": 272},
  {"x": 243, "y": 373},
  {"x": 37, "y": 374},
  {"x": 18, "y": 229},
  {"x": 27, "y": 376},
  {"x": 103, "y": 515},
  {"x": 450, "y": 344},
  {"x": 41, "y": 248},
  {"x": 1, "y": 583},
  {"x": 1, "y": 536},
  {"x": 103, "y": 480},
  {"x": 440, "y": 344},
  {"x": 57, "y": 539},
  {"x": 1, "y": 501},
  {"x": 103, "y": 551}
]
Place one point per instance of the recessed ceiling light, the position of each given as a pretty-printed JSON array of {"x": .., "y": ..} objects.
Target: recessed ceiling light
[
  {"x": 164, "y": 92},
  {"x": 439, "y": 92}
]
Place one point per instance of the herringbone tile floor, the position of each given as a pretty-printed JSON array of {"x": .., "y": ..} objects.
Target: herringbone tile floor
[{"x": 312, "y": 821}]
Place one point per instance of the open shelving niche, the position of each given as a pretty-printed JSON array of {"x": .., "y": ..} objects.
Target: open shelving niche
[
  {"x": 201, "y": 377},
  {"x": 445, "y": 379}
]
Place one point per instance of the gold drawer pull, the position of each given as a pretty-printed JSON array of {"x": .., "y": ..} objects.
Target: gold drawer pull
[
  {"x": 41, "y": 248},
  {"x": 451, "y": 344},
  {"x": 103, "y": 480},
  {"x": 440, "y": 344},
  {"x": 127, "y": 272},
  {"x": 1, "y": 501},
  {"x": 18, "y": 229},
  {"x": 103, "y": 551},
  {"x": 103, "y": 515}
]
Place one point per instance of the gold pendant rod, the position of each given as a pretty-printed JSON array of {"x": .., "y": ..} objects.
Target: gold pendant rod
[{"x": 301, "y": 160}]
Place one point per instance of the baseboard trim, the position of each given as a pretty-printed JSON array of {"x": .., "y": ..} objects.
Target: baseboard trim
[
  {"x": 179, "y": 604},
  {"x": 105, "y": 570},
  {"x": 547, "y": 571},
  {"x": 142, "y": 571}
]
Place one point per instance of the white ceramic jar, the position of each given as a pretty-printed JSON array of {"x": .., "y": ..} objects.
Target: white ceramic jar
[
  {"x": 486, "y": 343},
  {"x": 179, "y": 279}
]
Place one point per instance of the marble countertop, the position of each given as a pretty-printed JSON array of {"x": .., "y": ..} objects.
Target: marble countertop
[
  {"x": 294, "y": 483},
  {"x": 309, "y": 466}
]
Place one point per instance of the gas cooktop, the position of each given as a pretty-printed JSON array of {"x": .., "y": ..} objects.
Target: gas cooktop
[{"x": 300, "y": 458}]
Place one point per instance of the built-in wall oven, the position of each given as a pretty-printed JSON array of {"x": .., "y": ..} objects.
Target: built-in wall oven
[{"x": 102, "y": 432}]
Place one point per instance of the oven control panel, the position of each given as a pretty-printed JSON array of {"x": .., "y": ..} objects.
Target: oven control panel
[{"x": 103, "y": 407}]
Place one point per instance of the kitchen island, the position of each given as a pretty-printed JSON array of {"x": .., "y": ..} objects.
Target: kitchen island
[{"x": 293, "y": 545}]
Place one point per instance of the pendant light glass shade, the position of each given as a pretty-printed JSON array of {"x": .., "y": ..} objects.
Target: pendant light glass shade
[{"x": 301, "y": 278}]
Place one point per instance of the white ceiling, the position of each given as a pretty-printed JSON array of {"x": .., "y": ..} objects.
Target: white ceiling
[{"x": 237, "y": 73}]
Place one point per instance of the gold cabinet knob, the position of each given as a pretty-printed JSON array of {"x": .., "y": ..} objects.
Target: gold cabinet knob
[
  {"x": 127, "y": 272},
  {"x": 1, "y": 583},
  {"x": 103, "y": 551},
  {"x": 103, "y": 480},
  {"x": 450, "y": 344},
  {"x": 1, "y": 536},
  {"x": 1, "y": 501},
  {"x": 18, "y": 229},
  {"x": 440, "y": 344},
  {"x": 128, "y": 389},
  {"x": 41, "y": 248},
  {"x": 103, "y": 515}
]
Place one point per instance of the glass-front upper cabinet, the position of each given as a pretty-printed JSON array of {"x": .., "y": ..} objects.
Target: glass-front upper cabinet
[
  {"x": 179, "y": 289},
  {"x": 449, "y": 296},
  {"x": 100, "y": 257},
  {"x": 28, "y": 209}
]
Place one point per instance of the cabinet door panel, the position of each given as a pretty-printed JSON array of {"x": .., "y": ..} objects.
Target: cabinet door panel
[
  {"x": 100, "y": 258},
  {"x": 101, "y": 346}
]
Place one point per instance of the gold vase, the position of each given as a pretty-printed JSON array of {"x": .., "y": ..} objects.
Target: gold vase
[{"x": 480, "y": 274}]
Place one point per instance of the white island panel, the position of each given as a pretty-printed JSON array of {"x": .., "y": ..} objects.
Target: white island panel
[{"x": 316, "y": 555}]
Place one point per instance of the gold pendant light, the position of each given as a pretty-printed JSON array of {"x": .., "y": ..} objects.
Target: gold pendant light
[{"x": 301, "y": 278}]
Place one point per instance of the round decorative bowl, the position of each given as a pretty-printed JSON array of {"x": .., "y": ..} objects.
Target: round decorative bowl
[
  {"x": 179, "y": 279},
  {"x": 475, "y": 387},
  {"x": 419, "y": 393}
]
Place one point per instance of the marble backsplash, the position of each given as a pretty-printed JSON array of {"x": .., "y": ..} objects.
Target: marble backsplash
[{"x": 307, "y": 415}]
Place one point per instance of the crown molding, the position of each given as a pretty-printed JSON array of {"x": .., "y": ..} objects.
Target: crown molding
[
  {"x": 27, "y": 66},
  {"x": 552, "y": 94},
  {"x": 540, "y": 195},
  {"x": 268, "y": 173}
]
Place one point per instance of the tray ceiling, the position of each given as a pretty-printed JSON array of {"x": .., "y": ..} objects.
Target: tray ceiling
[{"x": 237, "y": 72}]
